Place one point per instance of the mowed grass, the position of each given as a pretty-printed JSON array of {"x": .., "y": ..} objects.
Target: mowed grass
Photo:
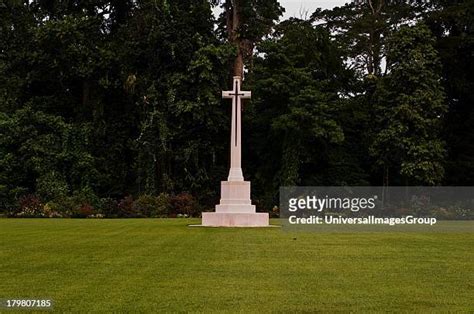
[{"x": 152, "y": 265}]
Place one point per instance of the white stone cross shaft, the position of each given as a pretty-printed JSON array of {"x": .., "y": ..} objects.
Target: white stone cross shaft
[
  {"x": 235, "y": 208},
  {"x": 235, "y": 173}
]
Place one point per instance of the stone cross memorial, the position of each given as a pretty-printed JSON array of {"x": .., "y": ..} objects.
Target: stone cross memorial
[{"x": 235, "y": 208}]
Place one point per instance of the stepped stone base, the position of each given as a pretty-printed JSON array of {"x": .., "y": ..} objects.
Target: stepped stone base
[
  {"x": 235, "y": 208},
  {"x": 235, "y": 220}
]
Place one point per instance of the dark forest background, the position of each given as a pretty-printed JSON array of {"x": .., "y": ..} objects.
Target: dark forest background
[{"x": 114, "y": 108}]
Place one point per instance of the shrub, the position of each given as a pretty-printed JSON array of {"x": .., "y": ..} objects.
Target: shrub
[
  {"x": 30, "y": 206},
  {"x": 49, "y": 212},
  {"x": 152, "y": 206},
  {"x": 125, "y": 207},
  {"x": 84, "y": 202},
  {"x": 81, "y": 205},
  {"x": 275, "y": 213},
  {"x": 86, "y": 196},
  {"x": 443, "y": 213},
  {"x": 145, "y": 205},
  {"x": 64, "y": 206},
  {"x": 108, "y": 207},
  {"x": 83, "y": 211},
  {"x": 163, "y": 208},
  {"x": 184, "y": 204}
]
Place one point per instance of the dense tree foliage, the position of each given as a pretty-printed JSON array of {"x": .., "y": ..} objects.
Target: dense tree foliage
[
  {"x": 409, "y": 110},
  {"x": 298, "y": 75},
  {"x": 105, "y": 101},
  {"x": 244, "y": 23},
  {"x": 453, "y": 25},
  {"x": 361, "y": 31}
]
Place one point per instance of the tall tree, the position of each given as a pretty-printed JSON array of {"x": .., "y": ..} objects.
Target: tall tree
[
  {"x": 176, "y": 68},
  {"x": 453, "y": 25},
  {"x": 410, "y": 109},
  {"x": 246, "y": 23},
  {"x": 361, "y": 27},
  {"x": 298, "y": 74}
]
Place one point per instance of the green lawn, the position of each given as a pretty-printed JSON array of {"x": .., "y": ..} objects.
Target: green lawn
[{"x": 163, "y": 265}]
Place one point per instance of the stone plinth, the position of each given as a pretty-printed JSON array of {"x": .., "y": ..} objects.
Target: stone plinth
[
  {"x": 235, "y": 208},
  {"x": 235, "y": 220}
]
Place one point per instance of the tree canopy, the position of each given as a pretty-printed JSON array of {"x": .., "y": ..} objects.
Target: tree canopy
[{"x": 103, "y": 101}]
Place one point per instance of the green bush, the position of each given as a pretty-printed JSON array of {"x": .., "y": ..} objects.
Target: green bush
[
  {"x": 81, "y": 204},
  {"x": 85, "y": 203},
  {"x": 63, "y": 206},
  {"x": 125, "y": 208},
  {"x": 163, "y": 208},
  {"x": 145, "y": 205},
  {"x": 152, "y": 206},
  {"x": 84, "y": 210},
  {"x": 50, "y": 212},
  {"x": 86, "y": 196},
  {"x": 108, "y": 207}
]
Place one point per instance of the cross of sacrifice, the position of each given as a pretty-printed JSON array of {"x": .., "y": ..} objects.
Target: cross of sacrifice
[
  {"x": 235, "y": 173},
  {"x": 235, "y": 208}
]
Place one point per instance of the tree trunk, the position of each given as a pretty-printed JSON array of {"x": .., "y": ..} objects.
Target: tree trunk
[
  {"x": 233, "y": 24},
  {"x": 239, "y": 64},
  {"x": 374, "y": 63}
]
